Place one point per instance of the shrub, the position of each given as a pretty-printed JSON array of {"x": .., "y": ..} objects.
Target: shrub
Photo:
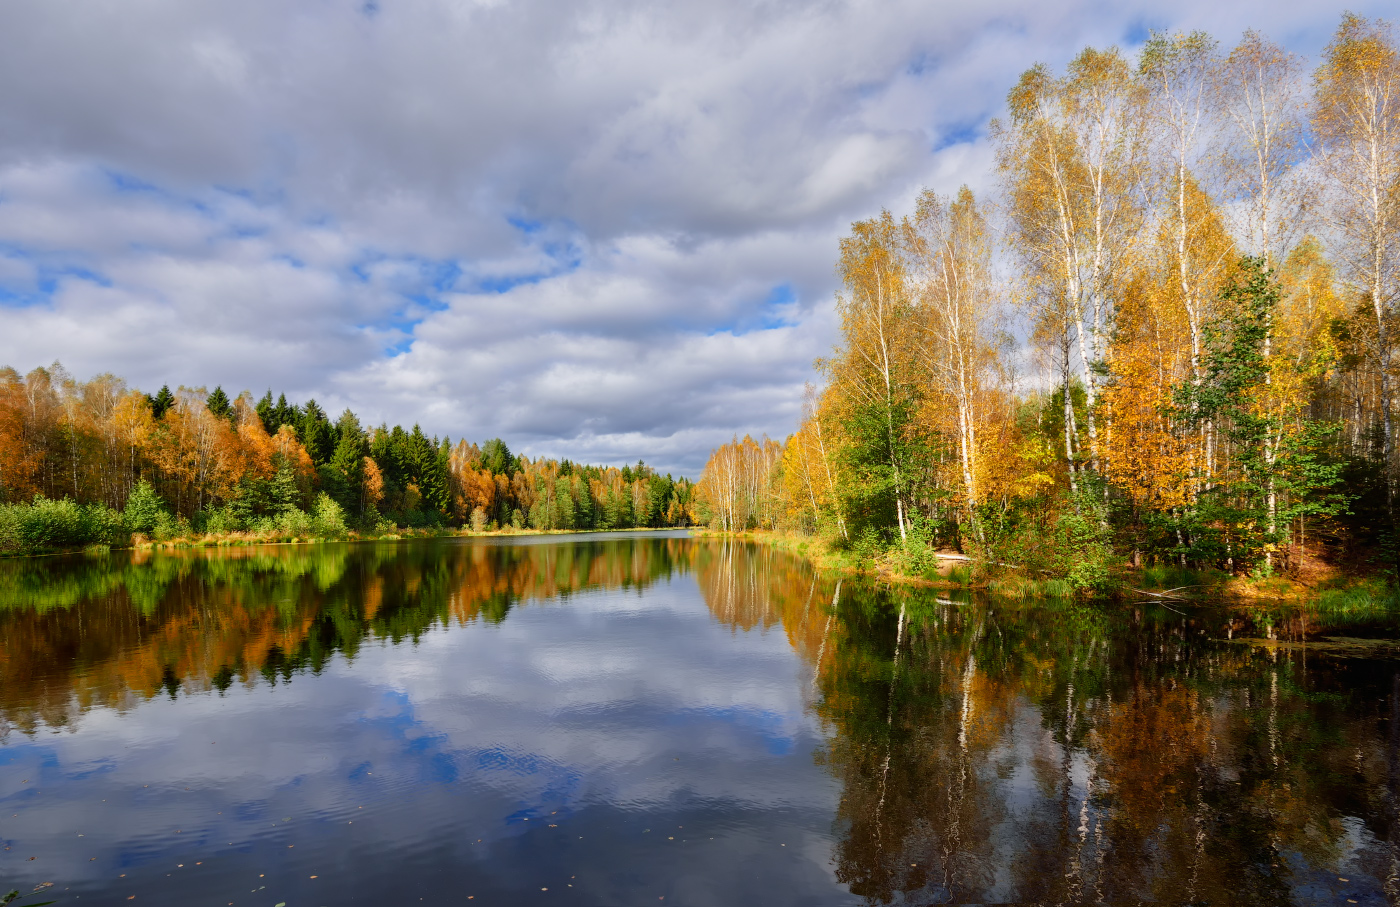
[
  {"x": 1072, "y": 544},
  {"x": 46, "y": 525},
  {"x": 144, "y": 509},
  {"x": 221, "y": 520},
  {"x": 327, "y": 519}
]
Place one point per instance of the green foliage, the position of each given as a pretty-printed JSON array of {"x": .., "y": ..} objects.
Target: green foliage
[
  {"x": 144, "y": 509},
  {"x": 1069, "y": 540},
  {"x": 47, "y": 525},
  {"x": 14, "y": 897},
  {"x": 343, "y": 476},
  {"x": 883, "y": 451},
  {"x": 1232, "y": 521},
  {"x": 316, "y": 434},
  {"x": 266, "y": 413},
  {"x": 327, "y": 518},
  {"x": 916, "y": 555},
  {"x": 219, "y": 405},
  {"x": 283, "y": 494},
  {"x": 160, "y": 404},
  {"x": 496, "y": 457}
]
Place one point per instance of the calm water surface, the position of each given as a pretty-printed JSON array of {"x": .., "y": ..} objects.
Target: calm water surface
[{"x": 663, "y": 720}]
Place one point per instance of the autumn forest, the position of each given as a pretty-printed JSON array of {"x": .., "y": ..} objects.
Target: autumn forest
[
  {"x": 93, "y": 462},
  {"x": 1166, "y": 337}
]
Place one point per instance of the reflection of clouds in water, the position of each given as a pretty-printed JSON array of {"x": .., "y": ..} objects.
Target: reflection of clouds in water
[
  {"x": 605, "y": 703},
  {"x": 629, "y": 688}
]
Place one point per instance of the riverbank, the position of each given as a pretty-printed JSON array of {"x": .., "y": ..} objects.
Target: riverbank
[
  {"x": 140, "y": 542},
  {"x": 1327, "y": 590}
]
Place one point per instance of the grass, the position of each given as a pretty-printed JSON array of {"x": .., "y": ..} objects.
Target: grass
[
  {"x": 1018, "y": 587},
  {"x": 1171, "y": 576},
  {"x": 1367, "y": 600}
]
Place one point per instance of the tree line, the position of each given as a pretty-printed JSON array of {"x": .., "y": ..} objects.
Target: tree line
[
  {"x": 101, "y": 457},
  {"x": 1168, "y": 335}
]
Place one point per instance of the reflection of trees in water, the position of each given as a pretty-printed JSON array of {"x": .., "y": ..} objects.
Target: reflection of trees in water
[
  {"x": 988, "y": 752},
  {"x": 109, "y": 631},
  {"x": 1069, "y": 755},
  {"x": 748, "y": 586}
]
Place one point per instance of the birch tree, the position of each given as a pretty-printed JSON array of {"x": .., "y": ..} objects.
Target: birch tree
[
  {"x": 1357, "y": 118},
  {"x": 950, "y": 263},
  {"x": 875, "y": 369}
]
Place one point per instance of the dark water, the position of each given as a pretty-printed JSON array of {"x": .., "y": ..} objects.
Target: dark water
[{"x": 661, "y": 720}]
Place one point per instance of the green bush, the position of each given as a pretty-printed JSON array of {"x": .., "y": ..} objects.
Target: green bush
[
  {"x": 220, "y": 521},
  {"x": 1071, "y": 543},
  {"x": 145, "y": 511},
  {"x": 46, "y": 525},
  {"x": 915, "y": 554},
  {"x": 327, "y": 519}
]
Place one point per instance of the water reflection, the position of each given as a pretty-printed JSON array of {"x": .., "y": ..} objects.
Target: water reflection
[
  {"x": 114, "y": 629},
  {"x": 808, "y": 740},
  {"x": 1068, "y": 754}
]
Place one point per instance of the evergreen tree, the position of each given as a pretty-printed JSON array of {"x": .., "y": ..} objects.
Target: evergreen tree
[
  {"x": 286, "y": 414},
  {"x": 316, "y": 434},
  {"x": 218, "y": 404},
  {"x": 496, "y": 457},
  {"x": 284, "y": 494},
  {"x": 389, "y": 449},
  {"x": 144, "y": 508},
  {"x": 347, "y": 464},
  {"x": 267, "y": 413},
  {"x": 430, "y": 470},
  {"x": 161, "y": 402}
]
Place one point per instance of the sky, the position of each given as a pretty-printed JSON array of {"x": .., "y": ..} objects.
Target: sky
[{"x": 599, "y": 230}]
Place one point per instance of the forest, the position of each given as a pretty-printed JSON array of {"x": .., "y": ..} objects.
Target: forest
[
  {"x": 100, "y": 463},
  {"x": 1164, "y": 338}
]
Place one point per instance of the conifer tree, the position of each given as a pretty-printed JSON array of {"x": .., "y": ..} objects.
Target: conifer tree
[
  {"x": 218, "y": 404},
  {"x": 267, "y": 413},
  {"x": 161, "y": 402}
]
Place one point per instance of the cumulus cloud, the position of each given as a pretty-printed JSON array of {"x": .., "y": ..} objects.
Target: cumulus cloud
[{"x": 600, "y": 230}]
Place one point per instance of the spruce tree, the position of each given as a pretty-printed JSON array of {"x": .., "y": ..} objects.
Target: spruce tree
[
  {"x": 218, "y": 404},
  {"x": 316, "y": 433},
  {"x": 347, "y": 463},
  {"x": 161, "y": 402},
  {"x": 429, "y": 471},
  {"x": 496, "y": 457},
  {"x": 267, "y": 413},
  {"x": 286, "y": 414}
]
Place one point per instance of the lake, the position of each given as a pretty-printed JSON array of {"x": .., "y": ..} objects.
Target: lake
[{"x": 636, "y": 718}]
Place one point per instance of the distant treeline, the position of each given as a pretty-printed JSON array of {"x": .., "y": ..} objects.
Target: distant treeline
[{"x": 84, "y": 462}]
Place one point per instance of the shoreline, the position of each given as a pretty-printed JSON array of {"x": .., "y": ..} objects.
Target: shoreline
[
  {"x": 242, "y": 540},
  {"x": 1237, "y": 591}
]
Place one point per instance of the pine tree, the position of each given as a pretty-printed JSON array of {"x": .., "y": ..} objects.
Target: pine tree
[
  {"x": 284, "y": 494},
  {"x": 267, "y": 413},
  {"x": 430, "y": 469},
  {"x": 316, "y": 433},
  {"x": 161, "y": 402},
  {"x": 218, "y": 404},
  {"x": 496, "y": 457},
  {"x": 347, "y": 463},
  {"x": 286, "y": 414}
]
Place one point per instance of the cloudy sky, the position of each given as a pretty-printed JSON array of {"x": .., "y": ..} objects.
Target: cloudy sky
[{"x": 600, "y": 229}]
